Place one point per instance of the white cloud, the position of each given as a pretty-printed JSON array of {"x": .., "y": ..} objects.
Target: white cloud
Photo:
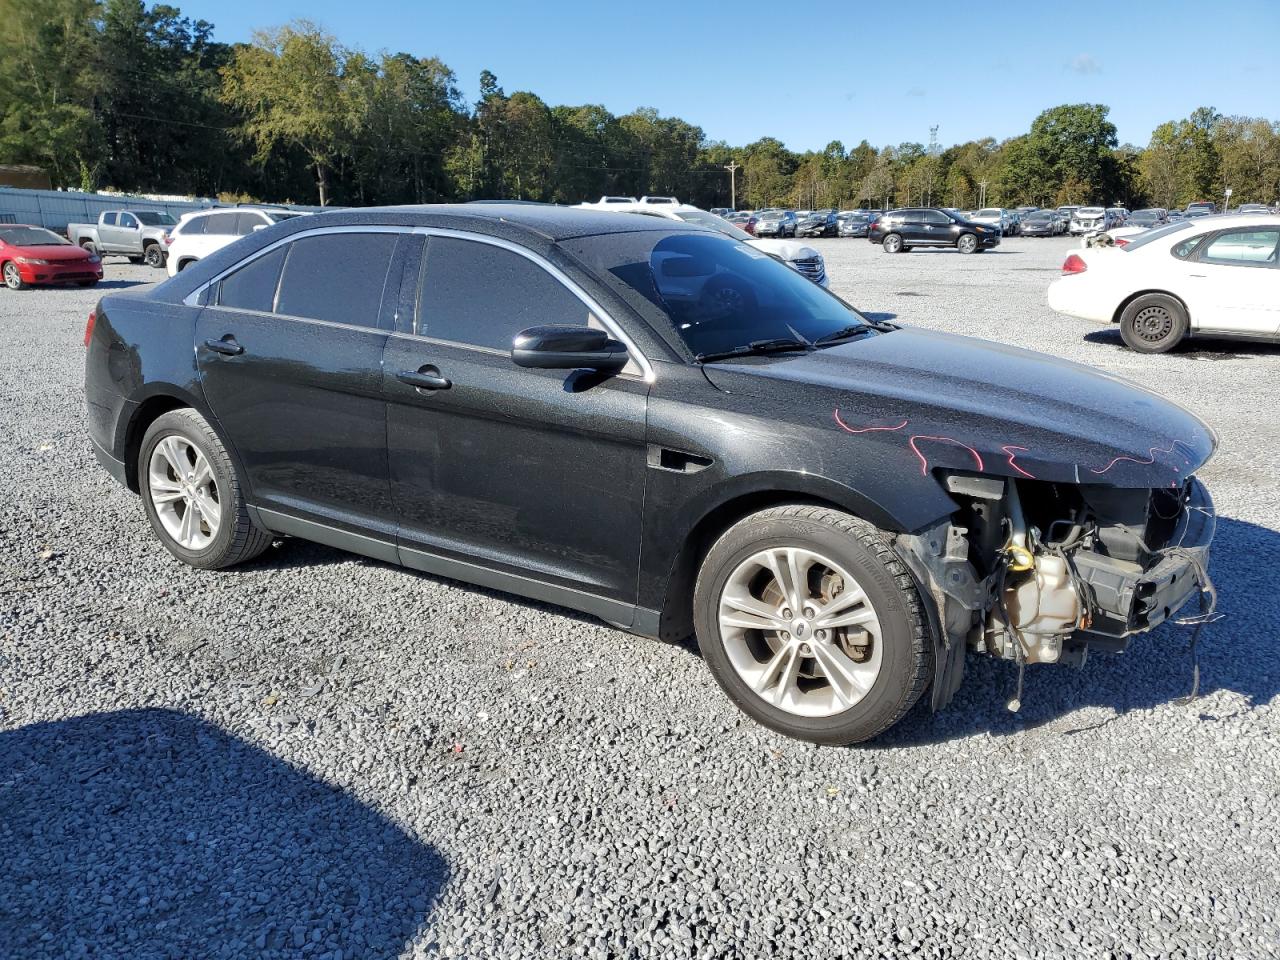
[{"x": 1084, "y": 63}]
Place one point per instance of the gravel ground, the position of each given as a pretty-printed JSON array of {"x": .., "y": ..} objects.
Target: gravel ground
[{"x": 322, "y": 756}]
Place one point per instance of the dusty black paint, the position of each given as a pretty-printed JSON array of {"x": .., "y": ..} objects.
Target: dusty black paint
[{"x": 548, "y": 479}]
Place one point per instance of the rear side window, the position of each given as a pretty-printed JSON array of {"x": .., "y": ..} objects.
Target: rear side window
[
  {"x": 337, "y": 277},
  {"x": 193, "y": 226},
  {"x": 1244, "y": 248},
  {"x": 221, "y": 223},
  {"x": 109, "y": 219},
  {"x": 482, "y": 295},
  {"x": 253, "y": 286}
]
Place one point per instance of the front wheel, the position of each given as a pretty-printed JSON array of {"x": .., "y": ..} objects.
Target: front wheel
[
  {"x": 1154, "y": 323},
  {"x": 812, "y": 625},
  {"x": 154, "y": 256},
  {"x": 892, "y": 243},
  {"x": 967, "y": 243},
  {"x": 192, "y": 495},
  {"x": 12, "y": 278}
]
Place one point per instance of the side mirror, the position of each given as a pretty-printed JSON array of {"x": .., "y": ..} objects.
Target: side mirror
[{"x": 561, "y": 347}]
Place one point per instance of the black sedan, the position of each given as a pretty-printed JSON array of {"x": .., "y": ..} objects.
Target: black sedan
[
  {"x": 660, "y": 426},
  {"x": 818, "y": 223},
  {"x": 899, "y": 230},
  {"x": 855, "y": 224},
  {"x": 1043, "y": 223}
]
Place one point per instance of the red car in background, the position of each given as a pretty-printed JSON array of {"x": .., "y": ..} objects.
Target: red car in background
[
  {"x": 743, "y": 221},
  {"x": 30, "y": 255}
]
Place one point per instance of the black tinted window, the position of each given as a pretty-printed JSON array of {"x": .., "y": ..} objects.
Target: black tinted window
[
  {"x": 253, "y": 286},
  {"x": 192, "y": 226},
  {"x": 337, "y": 277},
  {"x": 936, "y": 216},
  {"x": 128, "y": 220},
  {"x": 483, "y": 295},
  {"x": 109, "y": 219},
  {"x": 222, "y": 223},
  {"x": 247, "y": 221}
]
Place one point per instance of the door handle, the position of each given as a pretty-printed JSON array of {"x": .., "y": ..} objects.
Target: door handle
[
  {"x": 425, "y": 378},
  {"x": 227, "y": 346}
]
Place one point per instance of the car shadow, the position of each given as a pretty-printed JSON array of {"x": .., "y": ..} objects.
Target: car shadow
[
  {"x": 1196, "y": 348},
  {"x": 152, "y": 833},
  {"x": 1237, "y": 655}
]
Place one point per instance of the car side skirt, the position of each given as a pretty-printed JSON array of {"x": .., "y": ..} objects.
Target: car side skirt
[{"x": 617, "y": 613}]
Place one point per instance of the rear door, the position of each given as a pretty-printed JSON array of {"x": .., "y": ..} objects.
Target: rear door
[
  {"x": 535, "y": 476},
  {"x": 290, "y": 357},
  {"x": 1233, "y": 284}
]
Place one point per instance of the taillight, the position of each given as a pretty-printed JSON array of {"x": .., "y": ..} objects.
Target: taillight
[
  {"x": 168, "y": 239},
  {"x": 88, "y": 327},
  {"x": 1074, "y": 264},
  {"x": 1121, "y": 242}
]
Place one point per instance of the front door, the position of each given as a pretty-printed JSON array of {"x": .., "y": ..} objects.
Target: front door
[
  {"x": 1233, "y": 284},
  {"x": 531, "y": 479},
  {"x": 290, "y": 358}
]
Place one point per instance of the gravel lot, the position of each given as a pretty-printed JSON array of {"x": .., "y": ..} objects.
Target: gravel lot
[{"x": 322, "y": 756}]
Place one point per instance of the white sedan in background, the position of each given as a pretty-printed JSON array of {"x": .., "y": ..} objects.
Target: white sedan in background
[{"x": 1214, "y": 276}]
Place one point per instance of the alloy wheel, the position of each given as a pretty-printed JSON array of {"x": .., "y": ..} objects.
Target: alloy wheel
[
  {"x": 184, "y": 492},
  {"x": 800, "y": 631},
  {"x": 12, "y": 279}
]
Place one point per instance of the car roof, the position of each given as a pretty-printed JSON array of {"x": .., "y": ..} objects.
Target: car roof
[{"x": 548, "y": 221}]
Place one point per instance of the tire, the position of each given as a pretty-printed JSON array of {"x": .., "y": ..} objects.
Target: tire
[
  {"x": 183, "y": 264},
  {"x": 892, "y": 243},
  {"x": 153, "y": 256},
  {"x": 967, "y": 243},
  {"x": 796, "y": 697},
  {"x": 185, "y": 437},
  {"x": 1153, "y": 323},
  {"x": 12, "y": 278},
  {"x": 89, "y": 246}
]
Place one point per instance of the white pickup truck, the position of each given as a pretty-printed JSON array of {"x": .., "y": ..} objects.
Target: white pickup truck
[{"x": 141, "y": 235}]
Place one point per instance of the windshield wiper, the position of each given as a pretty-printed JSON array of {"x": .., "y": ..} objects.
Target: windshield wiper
[
  {"x": 844, "y": 333},
  {"x": 775, "y": 345}
]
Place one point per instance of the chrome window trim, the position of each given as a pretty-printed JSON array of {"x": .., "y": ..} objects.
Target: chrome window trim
[{"x": 192, "y": 299}]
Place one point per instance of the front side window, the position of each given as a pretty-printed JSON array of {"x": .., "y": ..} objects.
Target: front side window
[
  {"x": 336, "y": 277},
  {"x": 245, "y": 222},
  {"x": 223, "y": 224},
  {"x": 936, "y": 216},
  {"x": 717, "y": 294},
  {"x": 127, "y": 220},
  {"x": 1252, "y": 248},
  {"x": 482, "y": 295}
]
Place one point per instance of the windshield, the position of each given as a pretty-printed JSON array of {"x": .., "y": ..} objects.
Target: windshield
[
  {"x": 715, "y": 223},
  {"x": 1042, "y": 217},
  {"x": 1145, "y": 216},
  {"x": 989, "y": 212},
  {"x": 717, "y": 294},
  {"x": 30, "y": 237},
  {"x": 1142, "y": 239},
  {"x": 772, "y": 215},
  {"x": 153, "y": 219},
  {"x": 1090, "y": 212}
]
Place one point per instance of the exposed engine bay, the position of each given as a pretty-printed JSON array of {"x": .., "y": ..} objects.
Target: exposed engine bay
[{"x": 1041, "y": 572}]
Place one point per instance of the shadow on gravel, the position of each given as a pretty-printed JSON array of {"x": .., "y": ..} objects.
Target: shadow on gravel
[
  {"x": 1197, "y": 348},
  {"x": 1237, "y": 654},
  {"x": 150, "y": 833}
]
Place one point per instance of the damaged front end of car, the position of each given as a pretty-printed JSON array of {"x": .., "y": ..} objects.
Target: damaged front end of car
[{"x": 1035, "y": 571}]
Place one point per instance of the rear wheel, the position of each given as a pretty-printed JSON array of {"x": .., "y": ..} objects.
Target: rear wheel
[
  {"x": 812, "y": 625},
  {"x": 1153, "y": 323},
  {"x": 967, "y": 243},
  {"x": 192, "y": 495},
  {"x": 892, "y": 243},
  {"x": 89, "y": 247}
]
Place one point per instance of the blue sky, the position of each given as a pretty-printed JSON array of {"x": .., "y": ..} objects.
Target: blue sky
[{"x": 812, "y": 72}]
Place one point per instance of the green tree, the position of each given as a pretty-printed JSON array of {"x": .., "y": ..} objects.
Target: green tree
[
  {"x": 46, "y": 87},
  {"x": 291, "y": 85}
]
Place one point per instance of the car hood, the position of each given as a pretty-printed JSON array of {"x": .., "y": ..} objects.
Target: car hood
[
  {"x": 933, "y": 400},
  {"x": 51, "y": 251},
  {"x": 786, "y": 249}
]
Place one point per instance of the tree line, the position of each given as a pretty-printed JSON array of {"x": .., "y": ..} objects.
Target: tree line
[{"x": 113, "y": 93}]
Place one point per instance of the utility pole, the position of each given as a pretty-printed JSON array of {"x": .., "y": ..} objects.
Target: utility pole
[
  {"x": 982, "y": 195},
  {"x": 732, "y": 167}
]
